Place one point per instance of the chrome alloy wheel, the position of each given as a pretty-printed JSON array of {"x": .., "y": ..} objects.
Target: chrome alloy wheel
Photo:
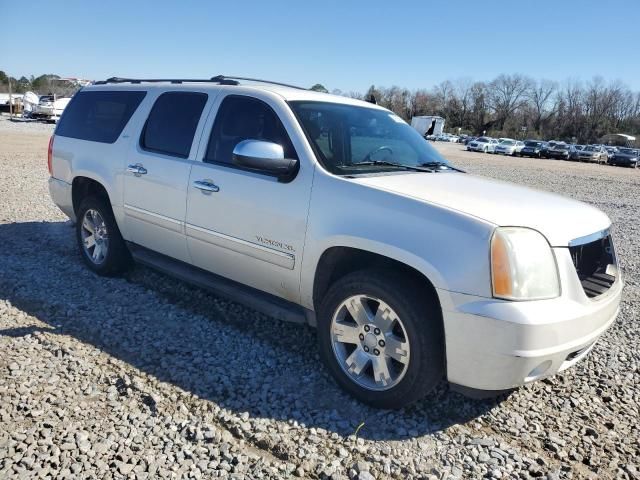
[
  {"x": 370, "y": 342},
  {"x": 95, "y": 238}
]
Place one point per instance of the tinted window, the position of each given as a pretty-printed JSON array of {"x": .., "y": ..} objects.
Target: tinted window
[
  {"x": 245, "y": 118},
  {"x": 352, "y": 139},
  {"x": 172, "y": 123},
  {"x": 98, "y": 116}
]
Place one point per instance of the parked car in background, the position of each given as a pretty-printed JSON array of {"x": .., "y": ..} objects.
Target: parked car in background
[
  {"x": 544, "y": 152},
  {"x": 560, "y": 151},
  {"x": 626, "y": 157},
  {"x": 611, "y": 151},
  {"x": 443, "y": 137},
  {"x": 593, "y": 153},
  {"x": 574, "y": 154},
  {"x": 509, "y": 147},
  {"x": 482, "y": 144},
  {"x": 532, "y": 148}
]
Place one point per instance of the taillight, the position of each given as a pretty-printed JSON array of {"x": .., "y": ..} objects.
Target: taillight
[{"x": 50, "y": 156}]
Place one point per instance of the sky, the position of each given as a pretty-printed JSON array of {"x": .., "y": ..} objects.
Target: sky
[{"x": 347, "y": 45}]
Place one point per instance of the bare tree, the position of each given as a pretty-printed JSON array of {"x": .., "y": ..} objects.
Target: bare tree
[
  {"x": 507, "y": 93},
  {"x": 540, "y": 97}
]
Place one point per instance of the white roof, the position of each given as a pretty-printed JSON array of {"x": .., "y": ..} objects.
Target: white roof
[{"x": 287, "y": 93}]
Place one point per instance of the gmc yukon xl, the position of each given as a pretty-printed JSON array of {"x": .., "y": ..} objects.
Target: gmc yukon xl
[{"x": 333, "y": 211}]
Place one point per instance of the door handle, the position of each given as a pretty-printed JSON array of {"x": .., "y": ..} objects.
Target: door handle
[
  {"x": 206, "y": 186},
  {"x": 137, "y": 169}
]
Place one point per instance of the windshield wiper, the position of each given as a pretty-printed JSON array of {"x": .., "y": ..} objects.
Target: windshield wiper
[
  {"x": 393, "y": 164},
  {"x": 441, "y": 164}
]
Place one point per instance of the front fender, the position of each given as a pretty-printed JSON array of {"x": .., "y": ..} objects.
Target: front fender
[{"x": 449, "y": 248}]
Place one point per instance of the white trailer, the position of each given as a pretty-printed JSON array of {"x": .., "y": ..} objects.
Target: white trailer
[{"x": 424, "y": 123}]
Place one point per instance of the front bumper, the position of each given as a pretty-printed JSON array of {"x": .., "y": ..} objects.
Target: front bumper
[
  {"x": 493, "y": 344},
  {"x": 60, "y": 193},
  {"x": 529, "y": 153}
]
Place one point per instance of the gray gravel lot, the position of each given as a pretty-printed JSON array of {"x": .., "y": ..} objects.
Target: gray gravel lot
[{"x": 147, "y": 377}]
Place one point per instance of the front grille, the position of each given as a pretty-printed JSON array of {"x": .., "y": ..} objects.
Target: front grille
[{"x": 595, "y": 264}]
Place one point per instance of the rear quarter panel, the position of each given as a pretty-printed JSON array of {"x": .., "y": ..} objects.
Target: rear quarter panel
[{"x": 102, "y": 162}]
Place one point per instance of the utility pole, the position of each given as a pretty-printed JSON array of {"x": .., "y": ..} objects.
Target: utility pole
[{"x": 10, "y": 100}]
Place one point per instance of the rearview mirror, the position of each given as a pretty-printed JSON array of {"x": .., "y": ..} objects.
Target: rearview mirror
[{"x": 265, "y": 157}]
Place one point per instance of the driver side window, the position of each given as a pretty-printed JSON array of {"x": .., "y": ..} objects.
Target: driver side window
[{"x": 245, "y": 118}]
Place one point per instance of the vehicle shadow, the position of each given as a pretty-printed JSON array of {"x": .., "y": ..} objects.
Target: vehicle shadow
[{"x": 220, "y": 351}]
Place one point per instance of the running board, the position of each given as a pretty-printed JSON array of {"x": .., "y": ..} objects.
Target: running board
[{"x": 258, "y": 300}]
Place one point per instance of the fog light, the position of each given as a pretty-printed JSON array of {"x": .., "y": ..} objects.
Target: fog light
[{"x": 538, "y": 371}]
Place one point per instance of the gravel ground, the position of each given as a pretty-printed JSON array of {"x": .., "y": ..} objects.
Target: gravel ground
[{"x": 147, "y": 377}]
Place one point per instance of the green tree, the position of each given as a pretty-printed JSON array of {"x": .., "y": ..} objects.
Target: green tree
[{"x": 318, "y": 87}]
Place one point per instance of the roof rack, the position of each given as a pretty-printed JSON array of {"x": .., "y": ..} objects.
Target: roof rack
[
  {"x": 166, "y": 80},
  {"x": 222, "y": 78},
  {"x": 219, "y": 79}
]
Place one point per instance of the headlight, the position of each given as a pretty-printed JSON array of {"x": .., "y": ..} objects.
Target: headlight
[{"x": 523, "y": 266}]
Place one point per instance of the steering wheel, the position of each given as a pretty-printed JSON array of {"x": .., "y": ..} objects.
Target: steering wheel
[{"x": 376, "y": 150}]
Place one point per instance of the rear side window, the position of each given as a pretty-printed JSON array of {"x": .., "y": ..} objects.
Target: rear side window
[
  {"x": 99, "y": 116},
  {"x": 245, "y": 118},
  {"x": 172, "y": 123}
]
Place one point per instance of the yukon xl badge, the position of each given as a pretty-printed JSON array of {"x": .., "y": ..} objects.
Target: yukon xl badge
[{"x": 275, "y": 243}]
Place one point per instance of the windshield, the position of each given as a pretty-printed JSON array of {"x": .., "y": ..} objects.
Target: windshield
[
  {"x": 590, "y": 149},
  {"x": 507, "y": 143},
  {"x": 483, "y": 140},
  {"x": 626, "y": 150},
  {"x": 562, "y": 147},
  {"x": 345, "y": 135},
  {"x": 532, "y": 144}
]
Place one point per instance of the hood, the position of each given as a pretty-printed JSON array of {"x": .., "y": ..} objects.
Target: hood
[{"x": 558, "y": 218}]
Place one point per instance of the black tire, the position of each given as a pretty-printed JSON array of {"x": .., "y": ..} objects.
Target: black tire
[
  {"x": 422, "y": 320},
  {"x": 117, "y": 258}
]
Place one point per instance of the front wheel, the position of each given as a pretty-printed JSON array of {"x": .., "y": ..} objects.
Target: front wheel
[
  {"x": 381, "y": 338},
  {"x": 101, "y": 245}
]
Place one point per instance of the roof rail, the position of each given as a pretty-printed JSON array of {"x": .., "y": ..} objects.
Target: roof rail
[
  {"x": 165, "y": 80},
  {"x": 219, "y": 79},
  {"x": 223, "y": 78}
]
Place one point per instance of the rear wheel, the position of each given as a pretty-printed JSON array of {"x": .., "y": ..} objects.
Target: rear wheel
[
  {"x": 381, "y": 338},
  {"x": 101, "y": 245}
]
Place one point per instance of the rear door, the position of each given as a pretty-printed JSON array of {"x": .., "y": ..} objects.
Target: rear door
[
  {"x": 249, "y": 227},
  {"x": 157, "y": 172}
]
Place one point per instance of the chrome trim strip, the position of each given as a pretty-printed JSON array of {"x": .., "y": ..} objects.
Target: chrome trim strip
[
  {"x": 589, "y": 238},
  {"x": 260, "y": 252},
  {"x": 155, "y": 218}
]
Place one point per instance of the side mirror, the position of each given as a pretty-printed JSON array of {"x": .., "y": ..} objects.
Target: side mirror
[{"x": 265, "y": 157}]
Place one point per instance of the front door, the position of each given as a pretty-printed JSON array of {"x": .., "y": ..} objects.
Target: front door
[
  {"x": 157, "y": 173},
  {"x": 244, "y": 225}
]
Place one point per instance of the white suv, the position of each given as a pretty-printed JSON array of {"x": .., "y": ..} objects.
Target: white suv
[{"x": 333, "y": 211}]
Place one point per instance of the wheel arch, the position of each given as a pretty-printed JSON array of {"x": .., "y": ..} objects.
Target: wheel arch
[
  {"x": 337, "y": 261},
  {"x": 83, "y": 186}
]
